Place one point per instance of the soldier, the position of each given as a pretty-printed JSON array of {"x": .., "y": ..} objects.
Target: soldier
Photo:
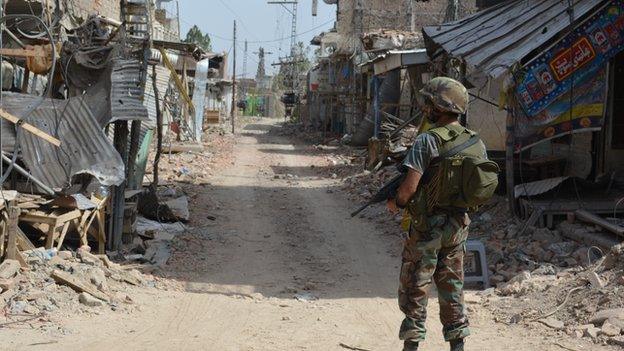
[{"x": 436, "y": 244}]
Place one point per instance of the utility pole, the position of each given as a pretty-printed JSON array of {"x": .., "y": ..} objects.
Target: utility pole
[
  {"x": 233, "y": 110},
  {"x": 178, "y": 18},
  {"x": 294, "y": 56},
  {"x": 244, "y": 86}
]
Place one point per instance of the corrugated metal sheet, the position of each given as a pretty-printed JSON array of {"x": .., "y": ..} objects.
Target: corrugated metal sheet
[
  {"x": 126, "y": 92},
  {"x": 163, "y": 76},
  {"x": 199, "y": 97},
  {"x": 537, "y": 187},
  {"x": 84, "y": 146},
  {"x": 493, "y": 40}
]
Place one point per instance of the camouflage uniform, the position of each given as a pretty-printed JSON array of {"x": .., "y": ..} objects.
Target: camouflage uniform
[
  {"x": 438, "y": 254},
  {"x": 436, "y": 245}
]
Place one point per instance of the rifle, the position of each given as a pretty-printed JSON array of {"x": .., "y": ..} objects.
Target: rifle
[{"x": 386, "y": 192}]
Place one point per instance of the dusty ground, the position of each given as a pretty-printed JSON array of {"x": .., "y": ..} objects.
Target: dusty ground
[{"x": 267, "y": 228}]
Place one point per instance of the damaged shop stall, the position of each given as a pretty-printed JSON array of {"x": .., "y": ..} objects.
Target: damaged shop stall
[
  {"x": 57, "y": 161},
  {"x": 198, "y": 93},
  {"x": 337, "y": 93},
  {"x": 554, "y": 68},
  {"x": 393, "y": 119}
]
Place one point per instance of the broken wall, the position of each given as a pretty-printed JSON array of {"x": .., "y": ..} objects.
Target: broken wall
[{"x": 84, "y": 8}]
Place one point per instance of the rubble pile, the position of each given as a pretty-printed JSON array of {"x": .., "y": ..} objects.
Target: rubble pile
[
  {"x": 584, "y": 302},
  {"x": 363, "y": 185},
  {"x": 67, "y": 282}
]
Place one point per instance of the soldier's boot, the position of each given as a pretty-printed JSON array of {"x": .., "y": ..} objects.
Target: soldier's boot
[
  {"x": 457, "y": 345},
  {"x": 409, "y": 345}
]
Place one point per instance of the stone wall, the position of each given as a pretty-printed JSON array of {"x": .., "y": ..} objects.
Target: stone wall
[{"x": 357, "y": 16}]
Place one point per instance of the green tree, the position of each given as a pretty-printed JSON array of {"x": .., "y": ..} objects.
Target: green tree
[{"x": 195, "y": 36}]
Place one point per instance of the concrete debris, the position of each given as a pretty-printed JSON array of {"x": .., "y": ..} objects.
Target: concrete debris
[
  {"x": 385, "y": 39},
  {"x": 609, "y": 329},
  {"x": 591, "y": 332},
  {"x": 617, "y": 340},
  {"x": 180, "y": 208},
  {"x": 555, "y": 275},
  {"x": 553, "y": 323},
  {"x": 49, "y": 285},
  {"x": 9, "y": 268},
  {"x": 603, "y": 315},
  {"x": 89, "y": 300}
]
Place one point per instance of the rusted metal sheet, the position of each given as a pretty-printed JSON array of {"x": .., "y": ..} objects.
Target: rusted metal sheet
[
  {"x": 493, "y": 40},
  {"x": 127, "y": 91},
  {"x": 84, "y": 146}
]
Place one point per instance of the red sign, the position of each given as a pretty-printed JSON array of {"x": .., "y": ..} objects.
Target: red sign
[{"x": 572, "y": 59}]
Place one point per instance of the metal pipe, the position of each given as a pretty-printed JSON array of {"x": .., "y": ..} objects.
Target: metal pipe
[{"x": 26, "y": 174}]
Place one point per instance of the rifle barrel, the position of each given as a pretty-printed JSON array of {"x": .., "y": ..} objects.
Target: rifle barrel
[{"x": 356, "y": 212}]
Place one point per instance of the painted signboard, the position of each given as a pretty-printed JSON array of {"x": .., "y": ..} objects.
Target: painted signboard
[
  {"x": 580, "y": 109},
  {"x": 577, "y": 56}
]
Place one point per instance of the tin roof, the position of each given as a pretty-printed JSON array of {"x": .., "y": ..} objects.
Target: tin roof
[
  {"x": 493, "y": 40},
  {"x": 84, "y": 146}
]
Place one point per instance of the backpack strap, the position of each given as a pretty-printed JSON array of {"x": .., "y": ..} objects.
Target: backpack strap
[{"x": 457, "y": 149}]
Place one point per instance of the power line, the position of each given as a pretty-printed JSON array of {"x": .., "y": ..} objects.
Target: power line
[{"x": 296, "y": 35}]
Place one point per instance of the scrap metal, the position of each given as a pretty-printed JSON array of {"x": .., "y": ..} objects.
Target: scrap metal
[
  {"x": 493, "y": 40},
  {"x": 84, "y": 147}
]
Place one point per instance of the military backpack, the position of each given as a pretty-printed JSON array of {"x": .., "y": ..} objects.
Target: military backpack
[{"x": 460, "y": 178}]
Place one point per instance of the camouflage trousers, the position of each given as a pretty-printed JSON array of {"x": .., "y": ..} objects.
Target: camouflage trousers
[{"x": 435, "y": 254}]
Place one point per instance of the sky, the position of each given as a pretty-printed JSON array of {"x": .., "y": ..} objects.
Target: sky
[{"x": 256, "y": 21}]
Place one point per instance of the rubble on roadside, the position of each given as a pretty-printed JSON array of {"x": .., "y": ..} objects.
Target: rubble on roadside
[
  {"x": 69, "y": 282},
  {"x": 540, "y": 277}
]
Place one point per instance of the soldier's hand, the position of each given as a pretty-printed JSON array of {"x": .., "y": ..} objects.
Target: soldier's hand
[{"x": 392, "y": 206}]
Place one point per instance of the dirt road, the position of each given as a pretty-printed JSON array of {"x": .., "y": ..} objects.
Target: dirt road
[{"x": 280, "y": 231}]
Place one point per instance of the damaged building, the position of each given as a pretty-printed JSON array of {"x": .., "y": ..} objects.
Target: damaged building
[
  {"x": 553, "y": 70},
  {"x": 89, "y": 91}
]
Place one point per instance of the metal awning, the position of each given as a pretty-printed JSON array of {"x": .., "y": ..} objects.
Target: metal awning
[
  {"x": 394, "y": 59},
  {"x": 493, "y": 40}
]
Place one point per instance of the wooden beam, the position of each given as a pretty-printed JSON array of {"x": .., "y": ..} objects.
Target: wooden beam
[
  {"x": 24, "y": 52},
  {"x": 11, "y": 253},
  {"x": 599, "y": 221},
  {"x": 176, "y": 79},
  {"x": 78, "y": 284},
  {"x": 29, "y": 127}
]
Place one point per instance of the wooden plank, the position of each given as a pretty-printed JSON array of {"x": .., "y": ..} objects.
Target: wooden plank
[
  {"x": 12, "y": 233},
  {"x": 22, "y": 260},
  {"x": 599, "y": 221},
  {"x": 62, "y": 236},
  {"x": 37, "y": 218},
  {"x": 69, "y": 216},
  {"x": 50, "y": 236},
  {"x": 29, "y": 127},
  {"x": 23, "y": 53},
  {"x": 77, "y": 284}
]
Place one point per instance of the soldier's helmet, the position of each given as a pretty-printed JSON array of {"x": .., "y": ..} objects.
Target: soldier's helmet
[{"x": 446, "y": 94}]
